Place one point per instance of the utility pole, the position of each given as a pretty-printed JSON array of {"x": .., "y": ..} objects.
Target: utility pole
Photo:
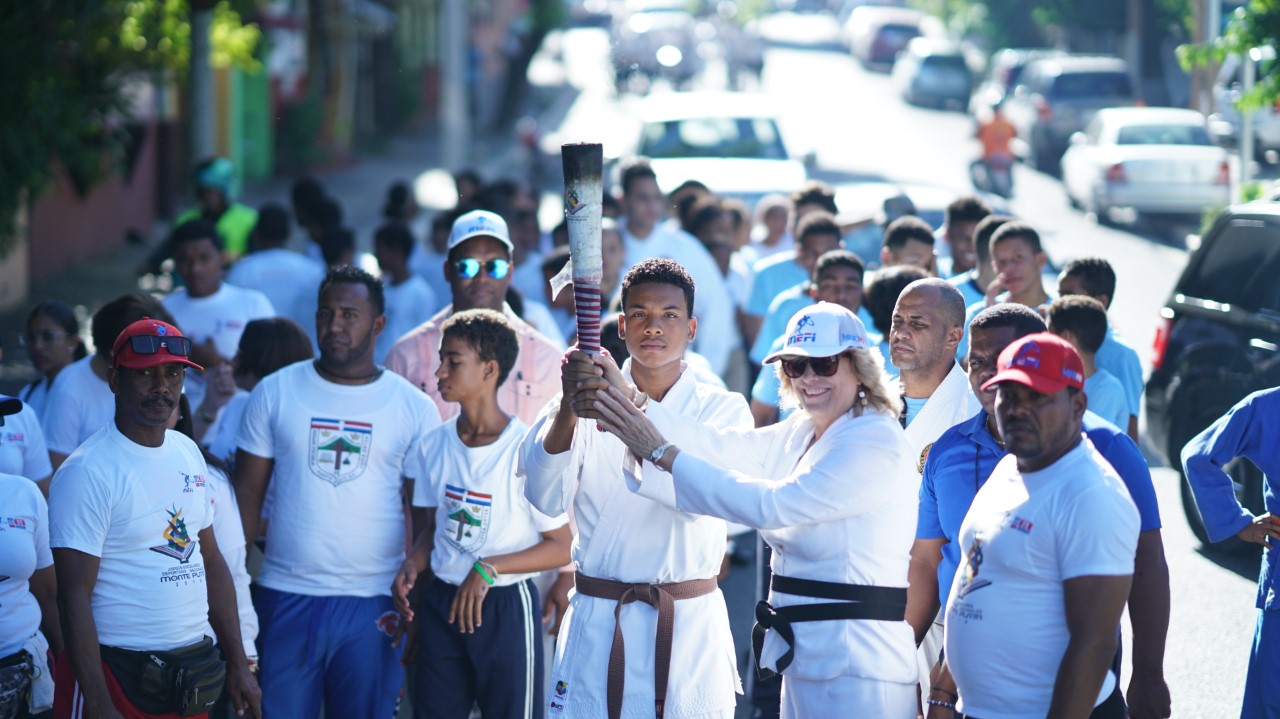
[
  {"x": 200, "y": 79},
  {"x": 455, "y": 43}
]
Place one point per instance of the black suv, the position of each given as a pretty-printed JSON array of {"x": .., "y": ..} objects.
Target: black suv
[{"x": 1218, "y": 342}]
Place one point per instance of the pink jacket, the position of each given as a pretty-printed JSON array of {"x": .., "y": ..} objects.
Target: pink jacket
[{"x": 533, "y": 382}]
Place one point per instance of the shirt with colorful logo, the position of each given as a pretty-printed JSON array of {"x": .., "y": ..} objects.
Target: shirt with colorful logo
[
  {"x": 341, "y": 455},
  {"x": 140, "y": 510},
  {"x": 480, "y": 506}
]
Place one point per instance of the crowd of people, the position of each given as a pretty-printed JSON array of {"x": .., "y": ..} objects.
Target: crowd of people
[{"x": 321, "y": 480}]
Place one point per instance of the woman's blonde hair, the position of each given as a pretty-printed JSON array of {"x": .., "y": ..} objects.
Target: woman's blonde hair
[{"x": 878, "y": 388}]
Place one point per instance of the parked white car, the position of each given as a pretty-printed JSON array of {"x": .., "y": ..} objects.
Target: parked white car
[
  {"x": 730, "y": 141},
  {"x": 1152, "y": 160}
]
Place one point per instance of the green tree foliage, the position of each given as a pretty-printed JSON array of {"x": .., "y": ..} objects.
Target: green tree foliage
[
  {"x": 1256, "y": 25},
  {"x": 65, "y": 69}
]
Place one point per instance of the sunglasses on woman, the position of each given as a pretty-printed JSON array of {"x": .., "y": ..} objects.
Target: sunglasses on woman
[
  {"x": 822, "y": 366},
  {"x": 152, "y": 344},
  {"x": 469, "y": 267}
]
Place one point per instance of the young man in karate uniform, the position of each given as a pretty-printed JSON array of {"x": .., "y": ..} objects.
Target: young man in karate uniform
[{"x": 647, "y": 631}]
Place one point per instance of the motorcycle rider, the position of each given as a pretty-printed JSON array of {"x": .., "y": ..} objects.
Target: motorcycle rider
[{"x": 996, "y": 135}]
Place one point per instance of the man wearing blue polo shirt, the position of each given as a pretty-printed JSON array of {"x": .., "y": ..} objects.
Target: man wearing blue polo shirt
[{"x": 960, "y": 462}]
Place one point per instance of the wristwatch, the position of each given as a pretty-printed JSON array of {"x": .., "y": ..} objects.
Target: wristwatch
[{"x": 659, "y": 451}]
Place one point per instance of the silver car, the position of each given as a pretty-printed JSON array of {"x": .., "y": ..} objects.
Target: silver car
[{"x": 1148, "y": 159}]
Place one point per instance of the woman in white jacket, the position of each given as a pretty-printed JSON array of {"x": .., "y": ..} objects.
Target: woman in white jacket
[{"x": 833, "y": 491}]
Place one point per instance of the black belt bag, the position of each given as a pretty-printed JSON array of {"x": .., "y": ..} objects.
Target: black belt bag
[
  {"x": 188, "y": 680},
  {"x": 855, "y": 601},
  {"x": 15, "y": 683}
]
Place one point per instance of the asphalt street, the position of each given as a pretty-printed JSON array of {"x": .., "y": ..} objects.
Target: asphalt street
[{"x": 862, "y": 130}]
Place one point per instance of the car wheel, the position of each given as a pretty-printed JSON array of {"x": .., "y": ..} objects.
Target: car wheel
[{"x": 1248, "y": 489}]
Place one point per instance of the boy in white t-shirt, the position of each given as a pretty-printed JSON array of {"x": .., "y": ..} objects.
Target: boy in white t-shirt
[
  {"x": 410, "y": 300},
  {"x": 477, "y": 621},
  {"x": 1082, "y": 321},
  {"x": 211, "y": 312}
]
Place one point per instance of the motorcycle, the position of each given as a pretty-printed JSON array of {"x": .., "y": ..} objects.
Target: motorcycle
[{"x": 993, "y": 174}]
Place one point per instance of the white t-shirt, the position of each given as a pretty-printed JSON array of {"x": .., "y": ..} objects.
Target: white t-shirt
[
  {"x": 290, "y": 281},
  {"x": 479, "y": 501},
  {"x": 409, "y": 304},
  {"x": 79, "y": 405},
  {"x": 1107, "y": 398},
  {"x": 220, "y": 438},
  {"x": 341, "y": 453},
  {"x": 22, "y": 447},
  {"x": 24, "y": 548},
  {"x": 140, "y": 510},
  {"x": 221, "y": 317},
  {"x": 1026, "y": 534},
  {"x": 36, "y": 394},
  {"x": 229, "y": 532}
]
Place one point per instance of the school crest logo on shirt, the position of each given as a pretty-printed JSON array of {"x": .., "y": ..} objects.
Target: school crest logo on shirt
[
  {"x": 178, "y": 543},
  {"x": 339, "y": 449},
  {"x": 924, "y": 455},
  {"x": 468, "y": 514}
]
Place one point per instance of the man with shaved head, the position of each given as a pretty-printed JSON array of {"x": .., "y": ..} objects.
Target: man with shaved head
[{"x": 928, "y": 322}]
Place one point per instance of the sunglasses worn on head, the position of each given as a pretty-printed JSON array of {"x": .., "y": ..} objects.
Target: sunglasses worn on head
[
  {"x": 151, "y": 344},
  {"x": 469, "y": 267},
  {"x": 822, "y": 366}
]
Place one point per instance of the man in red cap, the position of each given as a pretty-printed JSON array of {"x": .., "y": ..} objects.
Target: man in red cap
[
  {"x": 1048, "y": 553},
  {"x": 140, "y": 575}
]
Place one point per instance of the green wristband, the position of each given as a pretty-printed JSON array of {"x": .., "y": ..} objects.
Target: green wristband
[{"x": 483, "y": 574}]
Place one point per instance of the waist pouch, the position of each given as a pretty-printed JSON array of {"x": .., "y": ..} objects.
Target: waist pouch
[
  {"x": 15, "y": 683},
  {"x": 187, "y": 681}
]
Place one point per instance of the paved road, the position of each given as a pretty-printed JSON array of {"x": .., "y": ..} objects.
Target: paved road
[{"x": 861, "y": 129}]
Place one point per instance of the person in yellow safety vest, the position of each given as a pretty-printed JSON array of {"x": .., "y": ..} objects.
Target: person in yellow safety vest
[{"x": 215, "y": 188}]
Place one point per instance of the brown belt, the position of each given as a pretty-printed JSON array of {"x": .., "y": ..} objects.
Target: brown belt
[{"x": 662, "y": 597}]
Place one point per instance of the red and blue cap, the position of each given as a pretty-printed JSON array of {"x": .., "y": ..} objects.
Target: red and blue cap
[
  {"x": 1044, "y": 362},
  {"x": 123, "y": 354}
]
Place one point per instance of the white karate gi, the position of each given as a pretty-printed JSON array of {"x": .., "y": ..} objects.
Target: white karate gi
[
  {"x": 842, "y": 510},
  {"x": 625, "y": 537},
  {"x": 950, "y": 404}
]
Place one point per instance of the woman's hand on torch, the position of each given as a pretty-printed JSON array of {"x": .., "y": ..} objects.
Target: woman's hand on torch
[{"x": 618, "y": 415}]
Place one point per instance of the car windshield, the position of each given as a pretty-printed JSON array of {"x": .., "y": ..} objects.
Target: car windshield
[
  {"x": 737, "y": 137},
  {"x": 1162, "y": 135},
  {"x": 899, "y": 34},
  {"x": 947, "y": 62},
  {"x": 1239, "y": 268},
  {"x": 1092, "y": 84}
]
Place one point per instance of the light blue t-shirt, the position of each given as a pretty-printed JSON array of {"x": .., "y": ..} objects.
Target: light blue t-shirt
[
  {"x": 913, "y": 407},
  {"x": 967, "y": 283},
  {"x": 1107, "y": 398},
  {"x": 1122, "y": 362},
  {"x": 773, "y": 275}
]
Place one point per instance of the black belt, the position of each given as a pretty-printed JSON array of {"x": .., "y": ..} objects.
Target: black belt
[
  {"x": 857, "y": 601},
  {"x": 15, "y": 659}
]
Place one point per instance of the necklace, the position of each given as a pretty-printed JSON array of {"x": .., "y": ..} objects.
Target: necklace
[{"x": 991, "y": 430}]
